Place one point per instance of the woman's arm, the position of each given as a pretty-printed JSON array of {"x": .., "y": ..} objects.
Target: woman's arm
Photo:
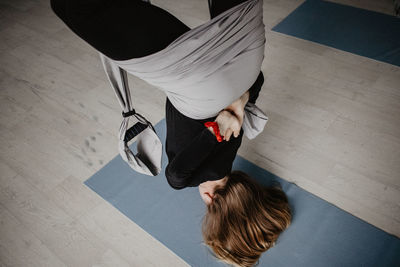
[
  {"x": 220, "y": 164},
  {"x": 185, "y": 163},
  {"x": 179, "y": 170}
]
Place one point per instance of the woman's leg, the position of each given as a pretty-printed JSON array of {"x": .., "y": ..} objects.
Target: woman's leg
[
  {"x": 120, "y": 29},
  {"x": 216, "y": 7},
  {"x": 125, "y": 29}
]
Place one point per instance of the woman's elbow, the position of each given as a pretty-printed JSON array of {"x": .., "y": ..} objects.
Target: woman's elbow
[{"x": 174, "y": 180}]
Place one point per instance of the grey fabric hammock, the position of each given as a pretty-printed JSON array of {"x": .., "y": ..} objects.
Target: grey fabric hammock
[{"x": 201, "y": 72}]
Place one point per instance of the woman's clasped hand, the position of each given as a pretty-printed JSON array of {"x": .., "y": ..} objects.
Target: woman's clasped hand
[
  {"x": 230, "y": 119},
  {"x": 228, "y": 124}
]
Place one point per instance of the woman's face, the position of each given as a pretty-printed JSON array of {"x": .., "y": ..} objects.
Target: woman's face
[{"x": 207, "y": 189}]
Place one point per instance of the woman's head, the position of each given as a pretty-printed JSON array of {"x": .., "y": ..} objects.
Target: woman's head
[{"x": 244, "y": 219}]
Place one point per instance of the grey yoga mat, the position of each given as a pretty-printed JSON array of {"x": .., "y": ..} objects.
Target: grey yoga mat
[
  {"x": 320, "y": 235},
  {"x": 355, "y": 30}
]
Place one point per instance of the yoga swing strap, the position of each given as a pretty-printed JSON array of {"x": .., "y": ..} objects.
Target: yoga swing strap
[
  {"x": 129, "y": 113},
  {"x": 147, "y": 160},
  {"x": 201, "y": 72}
]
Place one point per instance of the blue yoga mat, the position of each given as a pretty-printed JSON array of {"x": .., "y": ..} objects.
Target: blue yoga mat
[
  {"x": 362, "y": 32},
  {"x": 320, "y": 235}
]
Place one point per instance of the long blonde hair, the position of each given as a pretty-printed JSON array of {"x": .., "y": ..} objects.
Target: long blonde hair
[{"x": 244, "y": 219}]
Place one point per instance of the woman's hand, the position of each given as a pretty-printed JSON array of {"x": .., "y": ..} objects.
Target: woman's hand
[
  {"x": 237, "y": 107},
  {"x": 230, "y": 119},
  {"x": 228, "y": 124}
]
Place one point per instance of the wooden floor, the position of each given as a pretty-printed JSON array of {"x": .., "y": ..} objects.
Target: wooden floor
[{"x": 334, "y": 130}]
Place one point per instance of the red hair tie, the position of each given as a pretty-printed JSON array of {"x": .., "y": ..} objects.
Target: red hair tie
[{"x": 215, "y": 127}]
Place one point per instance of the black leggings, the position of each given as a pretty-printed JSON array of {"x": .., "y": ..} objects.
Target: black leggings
[{"x": 125, "y": 29}]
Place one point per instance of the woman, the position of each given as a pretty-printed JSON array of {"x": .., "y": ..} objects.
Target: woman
[{"x": 243, "y": 218}]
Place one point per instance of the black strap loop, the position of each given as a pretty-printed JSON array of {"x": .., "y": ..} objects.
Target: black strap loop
[
  {"x": 134, "y": 131},
  {"x": 129, "y": 113}
]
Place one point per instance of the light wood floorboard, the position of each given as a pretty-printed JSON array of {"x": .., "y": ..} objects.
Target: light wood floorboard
[{"x": 334, "y": 130}]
